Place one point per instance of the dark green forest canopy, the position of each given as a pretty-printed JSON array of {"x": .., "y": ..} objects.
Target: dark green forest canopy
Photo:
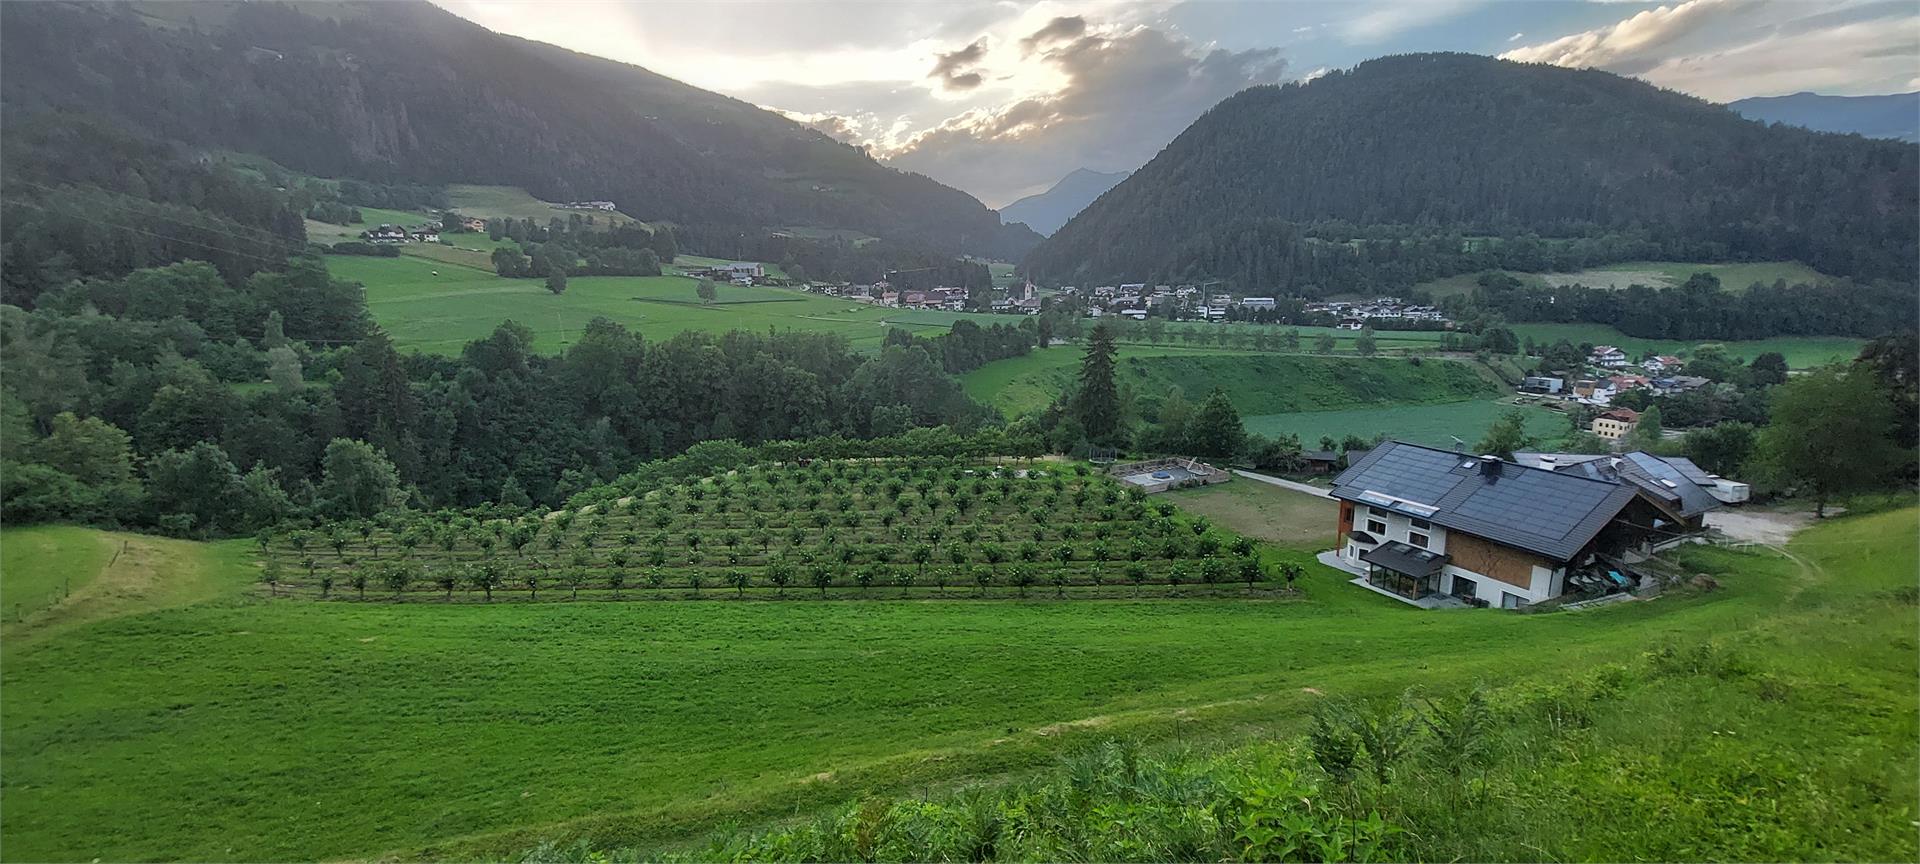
[
  {"x": 403, "y": 91},
  {"x": 1413, "y": 167}
]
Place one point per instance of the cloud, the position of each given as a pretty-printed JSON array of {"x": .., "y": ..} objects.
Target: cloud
[
  {"x": 1122, "y": 96},
  {"x": 1064, "y": 27},
  {"x": 1632, "y": 45},
  {"x": 1515, "y": 37},
  {"x": 953, "y": 69},
  {"x": 1729, "y": 49}
]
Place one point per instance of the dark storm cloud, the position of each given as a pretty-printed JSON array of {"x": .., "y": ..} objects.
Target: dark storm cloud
[
  {"x": 1063, "y": 27},
  {"x": 953, "y": 69}
]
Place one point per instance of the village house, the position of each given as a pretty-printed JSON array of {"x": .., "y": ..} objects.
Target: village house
[
  {"x": 1614, "y": 424},
  {"x": 745, "y": 272},
  {"x": 1259, "y": 302},
  {"x": 474, "y": 224},
  {"x": 385, "y": 234},
  {"x": 1622, "y": 383},
  {"x": 1607, "y": 357},
  {"x": 1674, "y": 485},
  {"x": 1437, "y": 528},
  {"x": 1661, "y": 364},
  {"x": 1542, "y": 384}
]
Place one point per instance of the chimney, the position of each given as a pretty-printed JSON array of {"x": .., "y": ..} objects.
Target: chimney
[{"x": 1489, "y": 466}]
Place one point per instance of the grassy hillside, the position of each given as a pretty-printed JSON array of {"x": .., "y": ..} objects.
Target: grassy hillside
[
  {"x": 1657, "y": 274},
  {"x": 1258, "y": 383},
  {"x": 474, "y": 730},
  {"x": 490, "y": 202},
  {"x": 441, "y": 313},
  {"x": 41, "y": 565},
  {"x": 1435, "y": 425},
  {"x": 1802, "y": 352},
  {"x": 1794, "y": 741},
  {"x": 56, "y": 578}
]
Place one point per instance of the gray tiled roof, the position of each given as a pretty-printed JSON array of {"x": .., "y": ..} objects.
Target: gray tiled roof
[
  {"x": 1541, "y": 511},
  {"x": 1658, "y": 478}
]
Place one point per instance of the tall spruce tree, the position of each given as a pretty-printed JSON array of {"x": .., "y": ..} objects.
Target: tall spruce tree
[{"x": 1097, "y": 404}]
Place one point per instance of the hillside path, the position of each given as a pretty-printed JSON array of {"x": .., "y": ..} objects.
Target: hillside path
[{"x": 1285, "y": 484}]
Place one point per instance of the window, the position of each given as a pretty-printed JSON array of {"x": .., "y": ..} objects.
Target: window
[
  {"x": 1509, "y": 601},
  {"x": 1420, "y": 524},
  {"x": 1376, "y": 526},
  {"x": 1416, "y": 538}
]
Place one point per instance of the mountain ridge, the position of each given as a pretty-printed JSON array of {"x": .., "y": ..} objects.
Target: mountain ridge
[
  {"x": 406, "y": 91},
  {"x": 1045, "y": 212},
  {"x": 1383, "y": 174},
  {"x": 1890, "y": 115}
]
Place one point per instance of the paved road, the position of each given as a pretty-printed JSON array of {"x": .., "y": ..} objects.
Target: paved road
[{"x": 1285, "y": 484}]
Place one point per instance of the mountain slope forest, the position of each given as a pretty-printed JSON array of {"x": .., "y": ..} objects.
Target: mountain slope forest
[
  {"x": 1419, "y": 166},
  {"x": 404, "y": 92}
]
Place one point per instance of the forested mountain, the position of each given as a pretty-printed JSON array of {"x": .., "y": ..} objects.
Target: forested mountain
[
  {"x": 405, "y": 92},
  {"x": 1049, "y": 210},
  {"x": 1411, "y": 167},
  {"x": 1894, "y": 115}
]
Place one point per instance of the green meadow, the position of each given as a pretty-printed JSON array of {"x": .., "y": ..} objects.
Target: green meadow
[
  {"x": 489, "y": 202},
  {"x": 1802, "y": 352},
  {"x": 440, "y": 306},
  {"x": 204, "y": 720},
  {"x": 1656, "y": 274},
  {"x": 1435, "y": 425}
]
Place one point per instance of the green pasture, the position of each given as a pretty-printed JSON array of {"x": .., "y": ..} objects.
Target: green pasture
[
  {"x": 1435, "y": 425},
  {"x": 491, "y": 202},
  {"x": 242, "y": 727},
  {"x": 1655, "y": 274},
  {"x": 371, "y": 217},
  {"x": 1258, "y": 383},
  {"x": 441, "y": 313},
  {"x": 1802, "y": 352}
]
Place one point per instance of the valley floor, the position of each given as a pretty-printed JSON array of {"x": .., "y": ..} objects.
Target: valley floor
[{"x": 201, "y": 720}]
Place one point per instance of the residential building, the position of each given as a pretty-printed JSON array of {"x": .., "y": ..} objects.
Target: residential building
[
  {"x": 1676, "y": 488},
  {"x": 1424, "y": 524},
  {"x": 1320, "y": 461},
  {"x": 745, "y": 272},
  {"x": 1542, "y": 384},
  {"x": 1663, "y": 364},
  {"x": 1614, "y": 424},
  {"x": 1259, "y": 302},
  {"x": 1607, "y": 357}
]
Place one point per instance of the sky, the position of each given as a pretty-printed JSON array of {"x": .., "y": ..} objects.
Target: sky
[{"x": 1001, "y": 98}]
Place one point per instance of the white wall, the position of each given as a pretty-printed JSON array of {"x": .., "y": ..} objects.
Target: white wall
[{"x": 1398, "y": 527}]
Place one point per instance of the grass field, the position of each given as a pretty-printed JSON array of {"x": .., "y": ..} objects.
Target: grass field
[
  {"x": 371, "y": 217},
  {"x": 440, "y": 314},
  {"x": 1802, "y": 352},
  {"x": 1265, "y": 512},
  {"x": 473, "y": 730},
  {"x": 41, "y": 565},
  {"x": 1258, "y": 383},
  {"x": 1434, "y": 425},
  {"x": 1791, "y": 741},
  {"x": 489, "y": 202},
  {"x": 1657, "y": 274}
]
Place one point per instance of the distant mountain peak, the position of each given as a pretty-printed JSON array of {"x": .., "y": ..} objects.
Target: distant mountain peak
[
  {"x": 1894, "y": 115},
  {"x": 1049, "y": 210}
]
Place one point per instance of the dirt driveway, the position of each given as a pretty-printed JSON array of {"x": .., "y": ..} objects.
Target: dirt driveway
[{"x": 1772, "y": 528}]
